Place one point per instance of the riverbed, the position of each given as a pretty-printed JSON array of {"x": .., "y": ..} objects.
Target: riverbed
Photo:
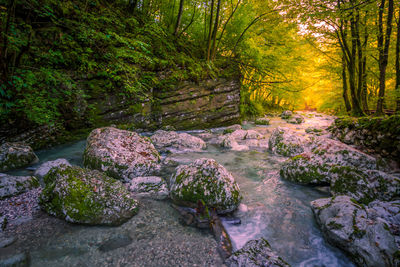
[{"x": 272, "y": 208}]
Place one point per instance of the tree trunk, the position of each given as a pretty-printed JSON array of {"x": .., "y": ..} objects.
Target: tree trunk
[
  {"x": 383, "y": 47},
  {"x": 355, "y": 101},
  {"x": 398, "y": 65},
  {"x": 345, "y": 89},
  {"x": 179, "y": 18},
  {"x": 214, "y": 35},
  {"x": 210, "y": 30}
]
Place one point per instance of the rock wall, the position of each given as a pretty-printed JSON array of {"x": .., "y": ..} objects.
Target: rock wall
[
  {"x": 189, "y": 105},
  {"x": 378, "y": 135}
]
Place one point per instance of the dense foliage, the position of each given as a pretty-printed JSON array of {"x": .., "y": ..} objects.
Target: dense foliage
[{"x": 57, "y": 57}]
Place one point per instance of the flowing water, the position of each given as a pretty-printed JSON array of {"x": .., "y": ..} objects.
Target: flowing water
[{"x": 271, "y": 208}]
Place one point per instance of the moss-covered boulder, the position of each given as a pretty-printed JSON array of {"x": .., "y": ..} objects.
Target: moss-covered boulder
[
  {"x": 256, "y": 253},
  {"x": 364, "y": 185},
  {"x": 314, "y": 166},
  {"x": 170, "y": 141},
  {"x": 14, "y": 185},
  {"x": 149, "y": 187},
  {"x": 369, "y": 234},
  {"x": 285, "y": 142},
  {"x": 208, "y": 181},
  {"x": 120, "y": 154},
  {"x": 16, "y": 155},
  {"x": 86, "y": 196}
]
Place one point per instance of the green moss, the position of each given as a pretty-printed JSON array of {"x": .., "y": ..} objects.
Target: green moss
[
  {"x": 228, "y": 131},
  {"x": 335, "y": 226}
]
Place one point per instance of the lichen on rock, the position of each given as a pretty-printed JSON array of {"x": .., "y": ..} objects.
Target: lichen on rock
[
  {"x": 150, "y": 187},
  {"x": 120, "y": 154},
  {"x": 370, "y": 234},
  {"x": 256, "y": 253},
  {"x": 14, "y": 185},
  {"x": 208, "y": 181},
  {"x": 285, "y": 142},
  {"x": 86, "y": 196},
  {"x": 16, "y": 155},
  {"x": 170, "y": 141}
]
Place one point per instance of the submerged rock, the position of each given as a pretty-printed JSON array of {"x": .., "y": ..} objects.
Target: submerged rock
[
  {"x": 11, "y": 258},
  {"x": 14, "y": 185},
  {"x": 120, "y": 154},
  {"x": 87, "y": 197},
  {"x": 207, "y": 181},
  {"x": 370, "y": 234},
  {"x": 16, "y": 155},
  {"x": 169, "y": 141},
  {"x": 151, "y": 186},
  {"x": 46, "y": 167},
  {"x": 255, "y": 253},
  {"x": 285, "y": 142}
]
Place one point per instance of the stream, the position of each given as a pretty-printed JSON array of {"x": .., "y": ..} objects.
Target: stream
[{"x": 271, "y": 208}]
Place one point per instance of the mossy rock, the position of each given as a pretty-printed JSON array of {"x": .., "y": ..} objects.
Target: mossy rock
[
  {"x": 207, "y": 181},
  {"x": 262, "y": 121},
  {"x": 364, "y": 186},
  {"x": 300, "y": 170},
  {"x": 120, "y": 154},
  {"x": 16, "y": 155},
  {"x": 85, "y": 196},
  {"x": 256, "y": 253},
  {"x": 15, "y": 185},
  {"x": 286, "y": 143}
]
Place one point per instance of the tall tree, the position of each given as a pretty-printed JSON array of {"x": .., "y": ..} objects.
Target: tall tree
[
  {"x": 179, "y": 17},
  {"x": 397, "y": 64},
  {"x": 383, "y": 47}
]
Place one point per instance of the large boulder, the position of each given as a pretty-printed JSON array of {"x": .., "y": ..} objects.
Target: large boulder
[
  {"x": 170, "y": 141},
  {"x": 120, "y": 154},
  {"x": 314, "y": 166},
  {"x": 255, "y": 253},
  {"x": 86, "y": 196},
  {"x": 370, "y": 234},
  {"x": 149, "y": 187},
  {"x": 285, "y": 142},
  {"x": 205, "y": 180},
  {"x": 46, "y": 167},
  {"x": 16, "y": 155},
  {"x": 363, "y": 185},
  {"x": 14, "y": 185}
]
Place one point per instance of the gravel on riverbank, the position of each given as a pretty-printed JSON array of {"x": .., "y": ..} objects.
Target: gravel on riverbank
[{"x": 20, "y": 208}]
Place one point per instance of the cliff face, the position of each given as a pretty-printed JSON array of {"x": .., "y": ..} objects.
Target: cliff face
[
  {"x": 190, "y": 105},
  {"x": 209, "y": 103},
  {"x": 193, "y": 106}
]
